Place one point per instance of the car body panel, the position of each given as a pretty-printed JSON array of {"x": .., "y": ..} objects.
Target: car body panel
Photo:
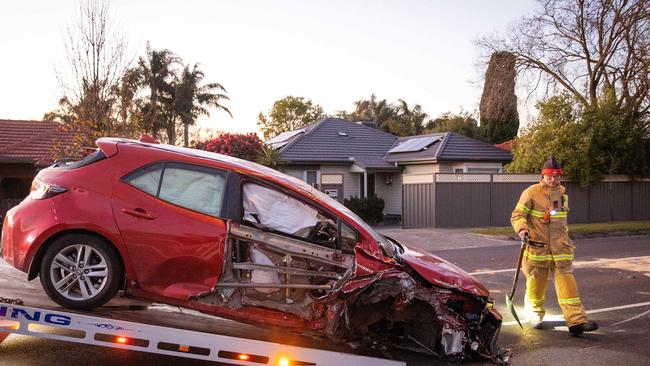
[
  {"x": 24, "y": 230},
  {"x": 441, "y": 272},
  {"x": 179, "y": 252}
]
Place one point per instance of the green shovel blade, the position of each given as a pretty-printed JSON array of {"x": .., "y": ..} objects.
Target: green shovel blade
[{"x": 512, "y": 310}]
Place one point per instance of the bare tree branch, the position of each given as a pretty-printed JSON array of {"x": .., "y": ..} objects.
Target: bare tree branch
[
  {"x": 96, "y": 60},
  {"x": 585, "y": 47}
]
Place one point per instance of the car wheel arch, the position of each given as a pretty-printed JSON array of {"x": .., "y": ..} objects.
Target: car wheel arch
[{"x": 35, "y": 265}]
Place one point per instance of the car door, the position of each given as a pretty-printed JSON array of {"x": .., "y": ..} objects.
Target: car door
[
  {"x": 169, "y": 216},
  {"x": 287, "y": 252}
]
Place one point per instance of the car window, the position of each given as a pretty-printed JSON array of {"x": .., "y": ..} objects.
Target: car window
[
  {"x": 193, "y": 187},
  {"x": 71, "y": 163},
  {"x": 282, "y": 213},
  {"x": 197, "y": 188},
  {"x": 349, "y": 237},
  {"x": 147, "y": 179}
]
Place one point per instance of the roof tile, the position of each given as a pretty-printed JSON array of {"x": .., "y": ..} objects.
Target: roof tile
[
  {"x": 341, "y": 141},
  {"x": 31, "y": 139}
]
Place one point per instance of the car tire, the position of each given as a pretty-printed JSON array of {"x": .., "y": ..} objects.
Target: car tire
[{"x": 80, "y": 271}]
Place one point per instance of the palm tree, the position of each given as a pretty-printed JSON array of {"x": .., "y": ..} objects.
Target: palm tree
[
  {"x": 270, "y": 157},
  {"x": 192, "y": 99},
  {"x": 157, "y": 71},
  {"x": 378, "y": 111},
  {"x": 411, "y": 121}
]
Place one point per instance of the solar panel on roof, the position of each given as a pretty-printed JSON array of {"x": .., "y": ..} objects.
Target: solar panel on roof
[
  {"x": 415, "y": 144},
  {"x": 281, "y": 139}
]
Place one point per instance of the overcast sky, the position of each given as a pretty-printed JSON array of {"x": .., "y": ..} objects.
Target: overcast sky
[{"x": 333, "y": 52}]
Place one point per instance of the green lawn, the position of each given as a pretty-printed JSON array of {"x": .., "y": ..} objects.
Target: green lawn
[{"x": 583, "y": 230}]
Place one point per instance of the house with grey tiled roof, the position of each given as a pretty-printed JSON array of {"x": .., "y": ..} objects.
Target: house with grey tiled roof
[
  {"x": 446, "y": 152},
  {"x": 342, "y": 159},
  {"x": 345, "y": 159}
]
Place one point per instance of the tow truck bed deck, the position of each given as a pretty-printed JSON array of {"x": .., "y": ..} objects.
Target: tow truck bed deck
[{"x": 134, "y": 325}]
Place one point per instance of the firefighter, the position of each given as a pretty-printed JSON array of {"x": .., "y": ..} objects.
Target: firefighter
[{"x": 541, "y": 214}]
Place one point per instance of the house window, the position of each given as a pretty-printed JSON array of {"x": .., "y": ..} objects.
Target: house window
[
  {"x": 311, "y": 177},
  {"x": 459, "y": 170},
  {"x": 371, "y": 185}
]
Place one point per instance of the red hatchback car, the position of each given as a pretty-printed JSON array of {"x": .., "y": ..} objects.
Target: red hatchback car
[{"x": 235, "y": 239}]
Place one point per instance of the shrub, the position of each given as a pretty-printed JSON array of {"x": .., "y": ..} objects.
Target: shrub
[
  {"x": 370, "y": 209},
  {"x": 241, "y": 146}
]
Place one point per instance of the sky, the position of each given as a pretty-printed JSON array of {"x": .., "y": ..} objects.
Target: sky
[{"x": 330, "y": 51}]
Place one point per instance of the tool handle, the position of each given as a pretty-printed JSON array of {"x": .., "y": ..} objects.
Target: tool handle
[{"x": 524, "y": 243}]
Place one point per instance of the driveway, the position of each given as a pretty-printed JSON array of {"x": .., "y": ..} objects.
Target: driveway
[{"x": 436, "y": 239}]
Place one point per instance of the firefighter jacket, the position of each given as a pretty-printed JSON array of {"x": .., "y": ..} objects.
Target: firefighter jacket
[{"x": 543, "y": 211}]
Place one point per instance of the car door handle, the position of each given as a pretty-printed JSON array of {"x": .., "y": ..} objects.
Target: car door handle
[{"x": 140, "y": 213}]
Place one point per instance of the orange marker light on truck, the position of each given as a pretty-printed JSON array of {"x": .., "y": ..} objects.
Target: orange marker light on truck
[
  {"x": 283, "y": 361},
  {"x": 243, "y": 357},
  {"x": 121, "y": 340}
]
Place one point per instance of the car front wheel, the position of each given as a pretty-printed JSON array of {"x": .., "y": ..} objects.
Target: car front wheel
[{"x": 80, "y": 271}]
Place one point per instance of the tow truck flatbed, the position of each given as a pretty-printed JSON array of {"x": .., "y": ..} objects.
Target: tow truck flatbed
[{"x": 133, "y": 325}]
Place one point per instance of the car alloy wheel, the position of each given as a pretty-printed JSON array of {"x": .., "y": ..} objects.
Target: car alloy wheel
[{"x": 80, "y": 271}]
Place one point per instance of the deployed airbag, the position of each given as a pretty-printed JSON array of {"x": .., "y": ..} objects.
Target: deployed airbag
[{"x": 277, "y": 210}]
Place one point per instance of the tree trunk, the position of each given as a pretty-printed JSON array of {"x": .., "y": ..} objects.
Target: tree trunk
[
  {"x": 171, "y": 132},
  {"x": 186, "y": 133}
]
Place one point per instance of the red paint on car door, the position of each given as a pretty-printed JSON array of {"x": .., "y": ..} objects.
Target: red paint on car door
[{"x": 175, "y": 252}]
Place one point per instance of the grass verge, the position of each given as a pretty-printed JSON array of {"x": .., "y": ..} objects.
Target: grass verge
[{"x": 591, "y": 230}]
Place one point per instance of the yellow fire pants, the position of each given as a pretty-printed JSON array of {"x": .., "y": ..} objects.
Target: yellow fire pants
[{"x": 565, "y": 288}]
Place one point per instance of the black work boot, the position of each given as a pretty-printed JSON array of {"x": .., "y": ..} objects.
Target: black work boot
[{"x": 584, "y": 327}]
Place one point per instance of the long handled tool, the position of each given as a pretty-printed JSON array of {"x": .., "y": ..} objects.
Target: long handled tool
[{"x": 509, "y": 297}]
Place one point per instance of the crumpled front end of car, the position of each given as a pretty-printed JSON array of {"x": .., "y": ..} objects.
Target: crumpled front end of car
[{"x": 400, "y": 310}]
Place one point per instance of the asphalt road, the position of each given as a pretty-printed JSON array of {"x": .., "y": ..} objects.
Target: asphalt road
[{"x": 613, "y": 276}]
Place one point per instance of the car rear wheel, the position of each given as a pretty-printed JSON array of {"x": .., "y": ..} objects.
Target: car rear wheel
[{"x": 80, "y": 271}]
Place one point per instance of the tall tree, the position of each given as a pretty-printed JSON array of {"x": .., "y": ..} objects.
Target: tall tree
[
  {"x": 128, "y": 104},
  {"x": 96, "y": 60},
  {"x": 157, "y": 69},
  {"x": 193, "y": 99},
  {"x": 463, "y": 123},
  {"x": 374, "y": 110},
  {"x": 589, "y": 141},
  {"x": 407, "y": 121},
  {"x": 287, "y": 114},
  {"x": 599, "y": 53},
  {"x": 584, "y": 48},
  {"x": 398, "y": 119},
  {"x": 498, "y": 108}
]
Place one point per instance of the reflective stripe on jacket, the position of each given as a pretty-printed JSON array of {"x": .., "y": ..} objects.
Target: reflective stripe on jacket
[{"x": 543, "y": 211}]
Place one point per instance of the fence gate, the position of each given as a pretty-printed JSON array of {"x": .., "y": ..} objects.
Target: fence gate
[{"x": 418, "y": 201}]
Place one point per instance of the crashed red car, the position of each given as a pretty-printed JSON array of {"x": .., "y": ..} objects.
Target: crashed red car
[{"x": 235, "y": 239}]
